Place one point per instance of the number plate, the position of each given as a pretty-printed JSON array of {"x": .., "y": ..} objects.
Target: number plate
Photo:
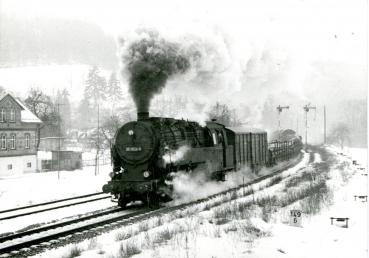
[
  {"x": 295, "y": 218},
  {"x": 133, "y": 148}
]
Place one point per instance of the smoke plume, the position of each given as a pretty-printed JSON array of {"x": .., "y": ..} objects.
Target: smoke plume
[{"x": 149, "y": 62}]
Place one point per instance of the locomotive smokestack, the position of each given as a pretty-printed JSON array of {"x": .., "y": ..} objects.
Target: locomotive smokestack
[
  {"x": 142, "y": 116},
  {"x": 149, "y": 62}
]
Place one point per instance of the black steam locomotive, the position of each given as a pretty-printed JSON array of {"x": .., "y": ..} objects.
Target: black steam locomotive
[{"x": 147, "y": 151}]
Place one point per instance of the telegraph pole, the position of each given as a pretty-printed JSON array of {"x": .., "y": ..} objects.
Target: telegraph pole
[
  {"x": 59, "y": 132},
  {"x": 280, "y": 109},
  {"x": 306, "y": 109},
  {"x": 97, "y": 167},
  {"x": 325, "y": 127}
]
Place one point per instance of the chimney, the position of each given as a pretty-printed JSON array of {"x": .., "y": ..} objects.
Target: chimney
[{"x": 142, "y": 116}]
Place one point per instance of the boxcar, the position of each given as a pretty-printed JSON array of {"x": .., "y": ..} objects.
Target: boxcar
[{"x": 250, "y": 147}]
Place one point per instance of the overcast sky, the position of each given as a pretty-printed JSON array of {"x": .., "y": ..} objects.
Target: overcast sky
[
  {"x": 297, "y": 51},
  {"x": 298, "y": 46},
  {"x": 321, "y": 29}
]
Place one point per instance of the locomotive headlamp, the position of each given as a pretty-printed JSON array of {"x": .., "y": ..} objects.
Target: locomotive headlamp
[
  {"x": 130, "y": 132},
  {"x": 146, "y": 174}
]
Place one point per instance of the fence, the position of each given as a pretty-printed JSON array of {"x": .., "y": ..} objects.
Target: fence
[{"x": 103, "y": 160}]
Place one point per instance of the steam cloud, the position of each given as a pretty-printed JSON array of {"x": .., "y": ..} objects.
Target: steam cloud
[
  {"x": 150, "y": 61},
  {"x": 176, "y": 155}
]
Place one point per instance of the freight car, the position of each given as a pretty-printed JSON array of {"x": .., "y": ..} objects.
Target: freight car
[
  {"x": 284, "y": 144},
  {"x": 147, "y": 151}
]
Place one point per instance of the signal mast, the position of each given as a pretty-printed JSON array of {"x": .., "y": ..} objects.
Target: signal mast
[
  {"x": 307, "y": 109},
  {"x": 279, "y": 109}
]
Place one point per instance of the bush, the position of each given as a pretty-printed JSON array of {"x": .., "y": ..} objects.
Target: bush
[
  {"x": 123, "y": 235},
  {"x": 75, "y": 251},
  {"x": 128, "y": 249},
  {"x": 164, "y": 235},
  {"x": 92, "y": 244}
]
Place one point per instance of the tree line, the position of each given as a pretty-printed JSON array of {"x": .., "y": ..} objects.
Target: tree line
[{"x": 104, "y": 95}]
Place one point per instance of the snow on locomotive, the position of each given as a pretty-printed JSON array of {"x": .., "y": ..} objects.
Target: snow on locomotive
[{"x": 147, "y": 151}]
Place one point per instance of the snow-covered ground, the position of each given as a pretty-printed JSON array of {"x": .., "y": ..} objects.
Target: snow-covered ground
[
  {"x": 203, "y": 234},
  {"x": 200, "y": 234},
  {"x": 317, "y": 237},
  {"x": 35, "y": 188},
  {"x": 15, "y": 224}
]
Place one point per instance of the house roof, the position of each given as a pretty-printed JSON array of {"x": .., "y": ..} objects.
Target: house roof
[{"x": 27, "y": 115}]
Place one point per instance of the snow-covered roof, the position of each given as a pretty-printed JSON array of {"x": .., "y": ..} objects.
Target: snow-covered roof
[{"x": 26, "y": 115}]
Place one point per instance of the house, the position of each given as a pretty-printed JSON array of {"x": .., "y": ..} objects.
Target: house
[{"x": 18, "y": 137}]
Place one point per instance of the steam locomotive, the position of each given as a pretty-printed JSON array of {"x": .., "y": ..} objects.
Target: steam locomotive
[{"x": 146, "y": 152}]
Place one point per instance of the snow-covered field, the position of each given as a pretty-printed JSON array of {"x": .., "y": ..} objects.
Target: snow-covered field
[
  {"x": 34, "y": 188},
  {"x": 317, "y": 237},
  {"x": 15, "y": 224},
  {"x": 213, "y": 230}
]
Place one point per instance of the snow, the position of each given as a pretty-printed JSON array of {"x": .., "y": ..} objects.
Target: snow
[
  {"x": 108, "y": 244},
  {"x": 26, "y": 115},
  {"x": 317, "y": 237},
  {"x": 65, "y": 228},
  {"x": 35, "y": 188},
  {"x": 12, "y": 225},
  {"x": 196, "y": 233}
]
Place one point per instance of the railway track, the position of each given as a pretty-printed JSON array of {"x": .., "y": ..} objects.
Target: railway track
[
  {"x": 53, "y": 205},
  {"x": 34, "y": 241}
]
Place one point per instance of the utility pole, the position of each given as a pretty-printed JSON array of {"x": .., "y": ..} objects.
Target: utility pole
[
  {"x": 280, "y": 109},
  {"x": 306, "y": 109},
  {"x": 59, "y": 133},
  {"x": 97, "y": 167},
  {"x": 325, "y": 127}
]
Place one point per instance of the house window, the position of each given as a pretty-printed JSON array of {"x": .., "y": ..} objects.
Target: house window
[
  {"x": 3, "y": 141},
  {"x": 12, "y": 115},
  {"x": 27, "y": 140},
  {"x": 29, "y": 164},
  {"x": 12, "y": 141},
  {"x": 2, "y": 115},
  {"x": 10, "y": 166}
]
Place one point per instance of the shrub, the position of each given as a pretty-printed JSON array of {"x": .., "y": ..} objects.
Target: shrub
[
  {"x": 123, "y": 235},
  {"x": 143, "y": 226},
  {"x": 92, "y": 244},
  {"x": 128, "y": 249},
  {"x": 73, "y": 252},
  {"x": 274, "y": 180},
  {"x": 164, "y": 235}
]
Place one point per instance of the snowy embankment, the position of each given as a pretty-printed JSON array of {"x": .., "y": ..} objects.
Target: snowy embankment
[
  {"x": 155, "y": 231},
  {"x": 318, "y": 237},
  {"x": 35, "y": 188},
  {"x": 253, "y": 222}
]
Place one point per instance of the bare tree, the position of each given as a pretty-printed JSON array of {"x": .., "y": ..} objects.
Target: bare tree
[
  {"x": 42, "y": 106},
  {"x": 340, "y": 134},
  {"x": 111, "y": 124},
  {"x": 221, "y": 113}
]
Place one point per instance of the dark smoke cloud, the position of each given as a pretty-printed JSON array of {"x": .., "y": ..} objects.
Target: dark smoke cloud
[{"x": 149, "y": 61}]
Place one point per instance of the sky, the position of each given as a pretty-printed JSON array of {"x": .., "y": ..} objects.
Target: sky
[
  {"x": 300, "y": 51},
  {"x": 320, "y": 29}
]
